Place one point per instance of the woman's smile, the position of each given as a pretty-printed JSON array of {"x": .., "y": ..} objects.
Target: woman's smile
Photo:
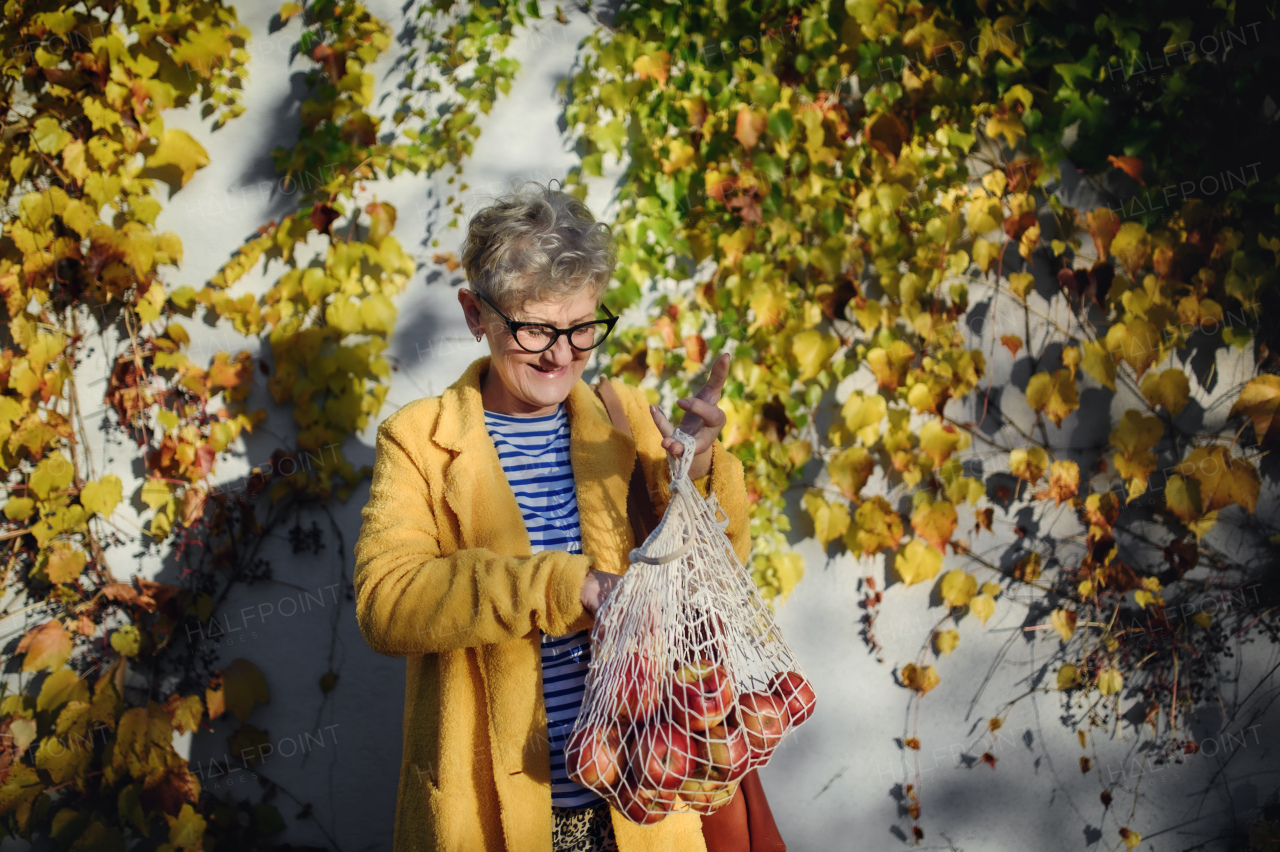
[{"x": 550, "y": 371}]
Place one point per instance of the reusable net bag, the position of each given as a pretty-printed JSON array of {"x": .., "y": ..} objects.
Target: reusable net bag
[{"x": 691, "y": 684}]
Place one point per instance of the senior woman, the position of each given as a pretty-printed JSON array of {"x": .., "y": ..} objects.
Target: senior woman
[{"x": 497, "y": 525}]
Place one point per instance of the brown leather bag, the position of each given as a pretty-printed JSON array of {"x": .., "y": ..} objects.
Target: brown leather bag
[{"x": 746, "y": 823}]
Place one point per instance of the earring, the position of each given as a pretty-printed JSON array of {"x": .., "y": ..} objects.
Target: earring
[{"x": 478, "y": 338}]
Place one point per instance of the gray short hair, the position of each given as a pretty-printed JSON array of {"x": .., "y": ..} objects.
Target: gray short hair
[{"x": 537, "y": 244}]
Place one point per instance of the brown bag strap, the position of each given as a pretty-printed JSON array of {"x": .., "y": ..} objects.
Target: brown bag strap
[{"x": 644, "y": 517}]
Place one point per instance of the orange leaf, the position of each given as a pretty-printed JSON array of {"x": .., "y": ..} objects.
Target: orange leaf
[
  {"x": 887, "y": 135},
  {"x": 47, "y": 647},
  {"x": 920, "y": 679},
  {"x": 1012, "y": 342},
  {"x": 448, "y": 258},
  {"x": 750, "y": 127},
  {"x": 935, "y": 522},
  {"x": 1103, "y": 225},
  {"x": 1131, "y": 166},
  {"x": 1064, "y": 482}
]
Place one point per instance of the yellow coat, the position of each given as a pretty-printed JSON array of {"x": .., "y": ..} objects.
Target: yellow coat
[{"x": 444, "y": 577}]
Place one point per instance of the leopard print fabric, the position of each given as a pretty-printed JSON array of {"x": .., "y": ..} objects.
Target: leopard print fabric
[{"x": 582, "y": 829}]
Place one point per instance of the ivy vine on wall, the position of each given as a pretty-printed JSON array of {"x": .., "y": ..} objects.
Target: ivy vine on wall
[
  {"x": 865, "y": 204},
  {"x": 109, "y": 672}
]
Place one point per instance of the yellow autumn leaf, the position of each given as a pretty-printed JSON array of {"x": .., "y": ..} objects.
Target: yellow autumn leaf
[
  {"x": 945, "y": 641},
  {"x": 958, "y": 587},
  {"x": 1132, "y": 247},
  {"x": 1053, "y": 394},
  {"x": 1028, "y": 464},
  {"x": 983, "y": 606},
  {"x": 1021, "y": 283},
  {"x": 1064, "y": 482},
  {"x": 789, "y": 569},
  {"x": 812, "y": 350},
  {"x": 920, "y": 679},
  {"x": 1259, "y": 400},
  {"x": 1099, "y": 364},
  {"x": 935, "y": 522},
  {"x": 1110, "y": 681},
  {"x": 62, "y": 563},
  {"x": 1131, "y": 838},
  {"x": 876, "y": 527},
  {"x": 830, "y": 520},
  {"x": 1170, "y": 389},
  {"x": 178, "y": 148},
  {"x": 939, "y": 440},
  {"x": 1068, "y": 676},
  {"x": 917, "y": 562},
  {"x": 1027, "y": 569},
  {"x": 984, "y": 253},
  {"x": 849, "y": 470},
  {"x": 1223, "y": 479},
  {"x": 126, "y": 640},
  {"x": 1136, "y": 340},
  {"x": 889, "y": 366},
  {"x": 862, "y": 415},
  {"x": 1063, "y": 621},
  {"x": 186, "y": 830},
  {"x": 51, "y": 475},
  {"x": 156, "y": 492},
  {"x": 1010, "y": 127},
  {"x": 1144, "y": 598}
]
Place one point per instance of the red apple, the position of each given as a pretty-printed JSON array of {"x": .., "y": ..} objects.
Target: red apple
[
  {"x": 796, "y": 695},
  {"x": 640, "y": 688},
  {"x": 593, "y": 756},
  {"x": 725, "y": 753},
  {"x": 662, "y": 756},
  {"x": 762, "y": 721},
  {"x": 701, "y": 695},
  {"x": 645, "y": 806}
]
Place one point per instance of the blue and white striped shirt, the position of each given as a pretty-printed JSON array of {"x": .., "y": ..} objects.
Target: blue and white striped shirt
[{"x": 534, "y": 452}]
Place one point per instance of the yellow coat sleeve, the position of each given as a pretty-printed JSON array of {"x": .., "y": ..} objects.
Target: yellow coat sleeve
[{"x": 411, "y": 599}]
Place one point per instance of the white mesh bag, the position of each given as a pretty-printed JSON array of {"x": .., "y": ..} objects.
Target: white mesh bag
[{"x": 691, "y": 684}]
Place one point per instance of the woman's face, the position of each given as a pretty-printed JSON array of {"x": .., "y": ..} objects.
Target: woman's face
[{"x": 530, "y": 383}]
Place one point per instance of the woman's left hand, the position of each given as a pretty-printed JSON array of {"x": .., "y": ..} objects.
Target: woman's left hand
[{"x": 702, "y": 419}]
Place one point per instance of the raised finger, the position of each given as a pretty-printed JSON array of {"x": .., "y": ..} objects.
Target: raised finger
[
  {"x": 706, "y": 412},
  {"x": 716, "y": 379},
  {"x": 660, "y": 420}
]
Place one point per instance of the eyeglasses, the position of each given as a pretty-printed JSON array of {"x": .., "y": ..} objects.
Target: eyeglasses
[{"x": 539, "y": 336}]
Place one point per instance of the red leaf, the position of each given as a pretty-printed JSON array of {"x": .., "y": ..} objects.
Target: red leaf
[
  {"x": 887, "y": 135},
  {"x": 1014, "y": 226},
  {"x": 989, "y": 759},
  {"x": 322, "y": 216}
]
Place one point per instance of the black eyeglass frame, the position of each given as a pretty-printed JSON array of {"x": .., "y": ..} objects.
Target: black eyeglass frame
[{"x": 516, "y": 325}]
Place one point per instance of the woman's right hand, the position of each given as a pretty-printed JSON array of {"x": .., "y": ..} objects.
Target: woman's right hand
[{"x": 596, "y": 587}]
